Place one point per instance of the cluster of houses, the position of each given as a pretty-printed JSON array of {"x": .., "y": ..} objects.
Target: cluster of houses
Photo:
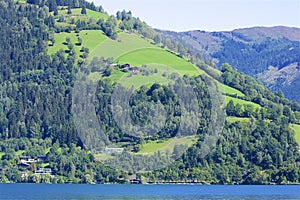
[{"x": 27, "y": 161}]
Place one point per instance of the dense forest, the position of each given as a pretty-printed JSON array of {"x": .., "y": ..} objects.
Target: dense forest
[{"x": 36, "y": 116}]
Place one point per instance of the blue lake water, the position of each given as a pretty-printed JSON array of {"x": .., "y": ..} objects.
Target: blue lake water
[{"x": 70, "y": 191}]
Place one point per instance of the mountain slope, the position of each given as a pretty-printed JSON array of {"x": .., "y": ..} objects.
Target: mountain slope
[
  {"x": 39, "y": 94},
  {"x": 269, "y": 54}
]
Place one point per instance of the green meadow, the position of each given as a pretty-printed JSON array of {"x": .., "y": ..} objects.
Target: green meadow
[
  {"x": 232, "y": 91},
  {"x": 90, "y": 40},
  {"x": 243, "y": 120},
  {"x": 125, "y": 43},
  {"x": 166, "y": 145},
  {"x": 76, "y": 12},
  {"x": 90, "y": 13},
  {"x": 159, "y": 56},
  {"x": 242, "y": 102},
  {"x": 296, "y": 129}
]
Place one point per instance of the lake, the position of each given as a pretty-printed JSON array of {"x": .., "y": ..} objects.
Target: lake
[{"x": 72, "y": 191}]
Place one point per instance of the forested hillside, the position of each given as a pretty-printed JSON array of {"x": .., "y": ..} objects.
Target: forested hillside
[
  {"x": 269, "y": 54},
  {"x": 45, "y": 46}
]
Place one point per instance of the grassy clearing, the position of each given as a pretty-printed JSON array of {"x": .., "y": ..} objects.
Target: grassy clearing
[
  {"x": 90, "y": 13},
  {"x": 90, "y": 39},
  {"x": 296, "y": 129},
  {"x": 233, "y": 91},
  {"x": 76, "y": 12},
  {"x": 242, "y": 102},
  {"x": 20, "y": 152},
  {"x": 137, "y": 80},
  {"x": 102, "y": 156},
  {"x": 43, "y": 165},
  {"x": 167, "y": 145},
  {"x": 243, "y": 120},
  {"x": 159, "y": 56},
  {"x": 124, "y": 44},
  {"x": 1, "y": 154}
]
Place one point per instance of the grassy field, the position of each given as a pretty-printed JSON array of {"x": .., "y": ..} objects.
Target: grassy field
[
  {"x": 90, "y": 39},
  {"x": 167, "y": 145},
  {"x": 233, "y": 91},
  {"x": 102, "y": 156},
  {"x": 238, "y": 119},
  {"x": 76, "y": 12},
  {"x": 124, "y": 44},
  {"x": 158, "y": 56},
  {"x": 296, "y": 129},
  {"x": 242, "y": 102},
  {"x": 90, "y": 13}
]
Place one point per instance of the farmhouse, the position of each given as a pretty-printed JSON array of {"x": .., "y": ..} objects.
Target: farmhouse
[
  {"x": 26, "y": 159},
  {"x": 43, "y": 171},
  {"x": 135, "y": 181},
  {"x": 125, "y": 66},
  {"x": 134, "y": 69},
  {"x": 113, "y": 150},
  {"x": 23, "y": 166}
]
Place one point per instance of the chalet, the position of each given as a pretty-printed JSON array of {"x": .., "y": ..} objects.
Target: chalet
[
  {"x": 125, "y": 66},
  {"x": 134, "y": 69},
  {"x": 113, "y": 150},
  {"x": 135, "y": 181},
  {"x": 26, "y": 159},
  {"x": 23, "y": 166},
  {"x": 43, "y": 171}
]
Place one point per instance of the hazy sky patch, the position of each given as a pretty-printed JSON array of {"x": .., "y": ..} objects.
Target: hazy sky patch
[{"x": 209, "y": 15}]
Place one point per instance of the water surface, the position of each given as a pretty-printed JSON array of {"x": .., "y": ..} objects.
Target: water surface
[{"x": 72, "y": 191}]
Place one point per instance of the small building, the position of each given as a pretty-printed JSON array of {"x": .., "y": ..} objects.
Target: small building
[
  {"x": 134, "y": 69},
  {"x": 113, "y": 150},
  {"x": 135, "y": 181},
  {"x": 125, "y": 66},
  {"x": 27, "y": 159},
  {"x": 43, "y": 171},
  {"x": 23, "y": 166}
]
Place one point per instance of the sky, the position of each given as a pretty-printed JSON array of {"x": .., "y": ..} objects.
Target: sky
[{"x": 209, "y": 15}]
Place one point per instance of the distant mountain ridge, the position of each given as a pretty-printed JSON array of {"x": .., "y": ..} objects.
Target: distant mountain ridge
[{"x": 271, "y": 54}]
